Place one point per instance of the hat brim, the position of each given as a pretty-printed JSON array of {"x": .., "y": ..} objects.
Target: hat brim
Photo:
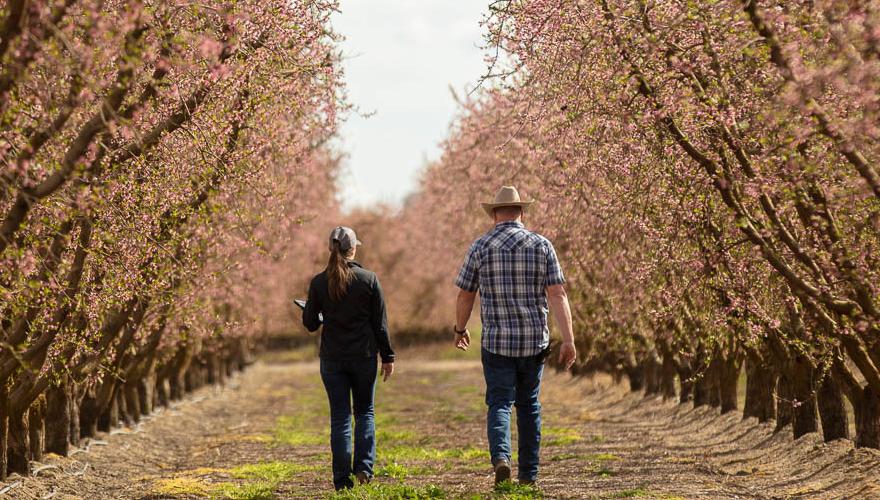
[{"x": 490, "y": 207}]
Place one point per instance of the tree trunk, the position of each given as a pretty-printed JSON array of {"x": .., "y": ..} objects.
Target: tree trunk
[
  {"x": 132, "y": 403},
  {"x": 19, "y": 444},
  {"x": 122, "y": 409},
  {"x": 74, "y": 400},
  {"x": 636, "y": 375},
  {"x": 221, "y": 367},
  {"x": 229, "y": 365},
  {"x": 760, "y": 391},
  {"x": 190, "y": 382},
  {"x": 36, "y": 428},
  {"x": 88, "y": 414},
  {"x": 4, "y": 430},
  {"x": 686, "y": 382},
  {"x": 213, "y": 367},
  {"x": 197, "y": 374},
  {"x": 109, "y": 418},
  {"x": 652, "y": 375},
  {"x": 180, "y": 365},
  {"x": 868, "y": 420},
  {"x": 728, "y": 382},
  {"x": 163, "y": 392},
  {"x": 177, "y": 385},
  {"x": 832, "y": 410},
  {"x": 701, "y": 390},
  {"x": 713, "y": 379},
  {"x": 58, "y": 418},
  {"x": 242, "y": 353},
  {"x": 700, "y": 377},
  {"x": 667, "y": 378},
  {"x": 146, "y": 388},
  {"x": 783, "y": 406},
  {"x": 805, "y": 415}
]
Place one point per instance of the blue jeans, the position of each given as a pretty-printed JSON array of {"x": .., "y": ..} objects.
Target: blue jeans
[
  {"x": 514, "y": 382},
  {"x": 351, "y": 384}
]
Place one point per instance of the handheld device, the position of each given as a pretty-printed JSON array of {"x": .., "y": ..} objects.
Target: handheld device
[{"x": 301, "y": 303}]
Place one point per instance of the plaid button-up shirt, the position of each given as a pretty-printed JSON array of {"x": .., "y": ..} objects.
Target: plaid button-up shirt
[{"x": 512, "y": 267}]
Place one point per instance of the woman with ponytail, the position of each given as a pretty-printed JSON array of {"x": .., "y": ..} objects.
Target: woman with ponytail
[{"x": 354, "y": 335}]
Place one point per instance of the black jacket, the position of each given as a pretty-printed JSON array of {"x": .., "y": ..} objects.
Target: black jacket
[{"x": 354, "y": 327}]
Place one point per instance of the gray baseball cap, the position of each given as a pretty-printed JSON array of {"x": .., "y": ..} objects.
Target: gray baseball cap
[{"x": 345, "y": 236}]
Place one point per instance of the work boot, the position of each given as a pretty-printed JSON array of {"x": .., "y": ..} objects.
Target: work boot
[
  {"x": 502, "y": 471},
  {"x": 362, "y": 477}
]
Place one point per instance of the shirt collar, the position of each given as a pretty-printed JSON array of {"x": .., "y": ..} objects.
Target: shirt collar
[
  {"x": 509, "y": 223},
  {"x": 353, "y": 263}
]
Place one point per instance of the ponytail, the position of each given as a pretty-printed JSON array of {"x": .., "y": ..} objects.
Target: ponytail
[{"x": 339, "y": 275}]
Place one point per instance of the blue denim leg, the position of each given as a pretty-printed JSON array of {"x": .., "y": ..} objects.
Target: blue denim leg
[
  {"x": 500, "y": 374},
  {"x": 363, "y": 391},
  {"x": 528, "y": 415},
  {"x": 338, "y": 385}
]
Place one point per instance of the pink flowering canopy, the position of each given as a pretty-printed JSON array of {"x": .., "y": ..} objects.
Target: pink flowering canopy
[
  {"x": 160, "y": 163},
  {"x": 707, "y": 172}
]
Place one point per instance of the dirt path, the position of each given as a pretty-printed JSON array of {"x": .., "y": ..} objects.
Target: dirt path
[{"x": 265, "y": 436}]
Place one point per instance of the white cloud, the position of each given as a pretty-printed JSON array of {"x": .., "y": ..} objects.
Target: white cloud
[{"x": 402, "y": 56}]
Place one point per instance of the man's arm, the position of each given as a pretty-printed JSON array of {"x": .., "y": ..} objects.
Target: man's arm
[
  {"x": 562, "y": 313},
  {"x": 468, "y": 283},
  {"x": 464, "y": 305}
]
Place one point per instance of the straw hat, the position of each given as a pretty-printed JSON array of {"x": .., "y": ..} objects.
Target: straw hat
[{"x": 507, "y": 196}]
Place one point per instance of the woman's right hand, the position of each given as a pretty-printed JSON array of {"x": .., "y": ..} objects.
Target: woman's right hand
[{"x": 387, "y": 370}]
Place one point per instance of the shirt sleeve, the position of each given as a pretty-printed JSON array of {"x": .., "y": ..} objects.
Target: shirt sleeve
[
  {"x": 469, "y": 276},
  {"x": 380, "y": 323},
  {"x": 313, "y": 307},
  {"x": 554, "y": 274}
]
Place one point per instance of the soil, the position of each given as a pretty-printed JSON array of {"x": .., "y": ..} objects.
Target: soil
[{"x": 600, "y": 441}]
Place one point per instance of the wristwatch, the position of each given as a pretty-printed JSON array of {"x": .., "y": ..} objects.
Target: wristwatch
[{"x": 455, "y": 329}]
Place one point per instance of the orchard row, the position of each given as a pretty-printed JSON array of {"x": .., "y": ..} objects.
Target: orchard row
[
  {"x": 708, "y": 172},
  {"x": 157, "y": 162}
]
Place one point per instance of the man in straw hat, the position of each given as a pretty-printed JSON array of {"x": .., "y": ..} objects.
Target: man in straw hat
[{"x": 516, "y": 273}]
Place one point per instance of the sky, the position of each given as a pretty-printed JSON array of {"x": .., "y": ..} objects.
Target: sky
[{"x": 401, "y": 60}]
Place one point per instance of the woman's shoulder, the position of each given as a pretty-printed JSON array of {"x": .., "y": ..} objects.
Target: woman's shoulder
[{"x": 362, "y": 272}]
